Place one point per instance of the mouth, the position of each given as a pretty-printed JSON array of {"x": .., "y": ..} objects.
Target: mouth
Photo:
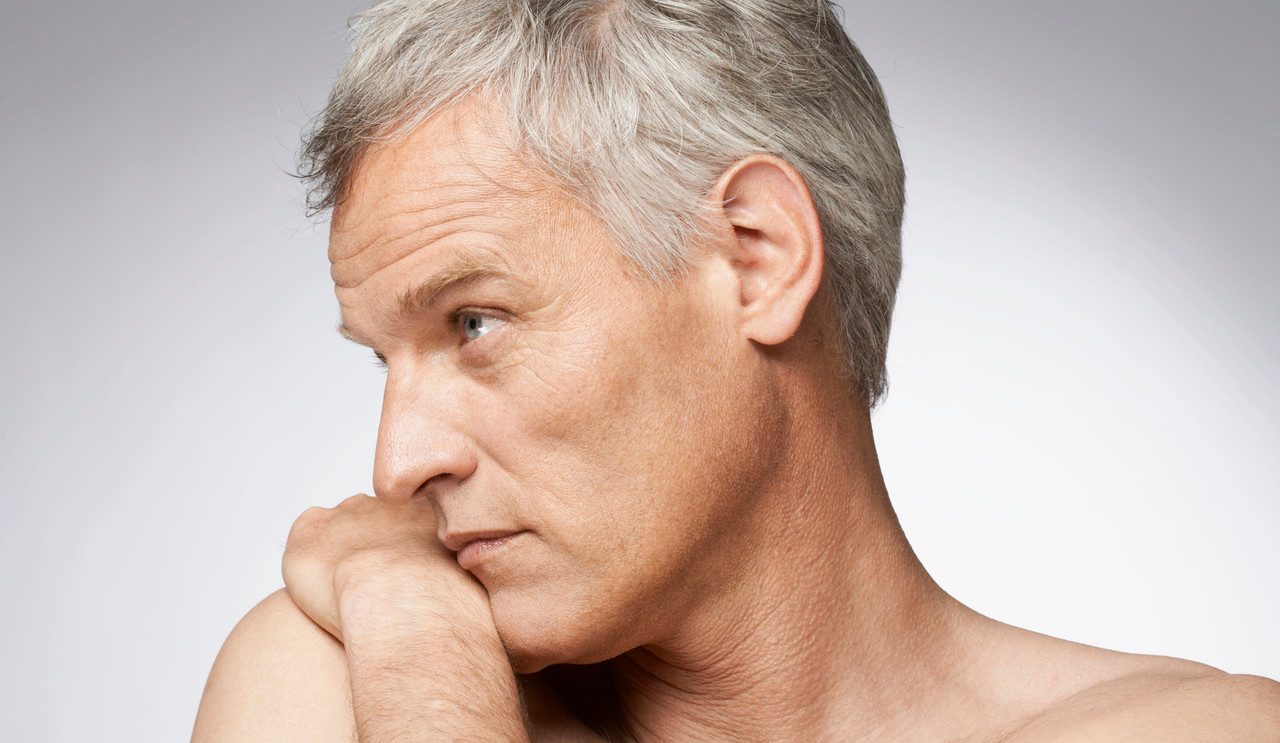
[{"x": 474, "y": 551}]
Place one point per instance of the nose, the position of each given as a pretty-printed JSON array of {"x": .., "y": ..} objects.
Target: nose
[{"x": 420, "y": 445}]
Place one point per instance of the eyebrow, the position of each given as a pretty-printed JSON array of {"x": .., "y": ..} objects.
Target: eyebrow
[{"x": 464, "y": 271}]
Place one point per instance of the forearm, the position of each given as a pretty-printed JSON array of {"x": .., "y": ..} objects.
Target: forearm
[{"x": 427, "y": 673}]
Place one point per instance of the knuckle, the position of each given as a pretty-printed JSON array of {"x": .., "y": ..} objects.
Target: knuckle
[
  {"x": 305, "y": 526},
  {"x": 354, "y": 501}
]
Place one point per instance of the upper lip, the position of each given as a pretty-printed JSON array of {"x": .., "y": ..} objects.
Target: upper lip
[{"x": 456, "y": 540}]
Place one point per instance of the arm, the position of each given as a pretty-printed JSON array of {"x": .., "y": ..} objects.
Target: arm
[
  {"x": 428, "y": 670},
  {"x": 422, "y": 650},
  {"x": 281, "y": 678}
]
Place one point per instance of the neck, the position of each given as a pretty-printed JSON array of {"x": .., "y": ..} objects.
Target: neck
[{"x": 830, "y": 632}]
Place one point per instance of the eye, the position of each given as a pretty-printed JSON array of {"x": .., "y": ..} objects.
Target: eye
[{"x": 475, "y": 324}]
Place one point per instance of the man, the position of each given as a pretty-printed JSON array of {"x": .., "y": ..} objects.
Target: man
[{"x": 630, "y": 266}]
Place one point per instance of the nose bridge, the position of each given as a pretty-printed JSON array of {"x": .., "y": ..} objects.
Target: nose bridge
[{"x": 420, "y": 439}]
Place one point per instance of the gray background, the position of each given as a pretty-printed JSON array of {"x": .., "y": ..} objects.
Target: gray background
[{"x": 1082, "y": 430}]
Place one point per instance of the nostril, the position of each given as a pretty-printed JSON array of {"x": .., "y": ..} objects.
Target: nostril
[{"x": 425, "y": 487}]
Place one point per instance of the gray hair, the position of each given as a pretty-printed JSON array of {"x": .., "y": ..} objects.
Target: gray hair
[{"x": 637, "y": 107}]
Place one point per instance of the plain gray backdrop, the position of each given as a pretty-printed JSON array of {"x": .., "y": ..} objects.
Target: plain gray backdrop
[{"x": 1083, "y": 424}]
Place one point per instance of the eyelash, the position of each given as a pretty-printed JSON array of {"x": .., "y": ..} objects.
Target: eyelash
[{"x": 381, "y": 362}]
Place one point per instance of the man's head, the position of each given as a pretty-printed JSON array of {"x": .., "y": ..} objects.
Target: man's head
[{"x": 671, "y": 216}]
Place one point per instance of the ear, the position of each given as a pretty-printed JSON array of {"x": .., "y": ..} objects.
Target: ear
[{"x": 775, "y": 251}]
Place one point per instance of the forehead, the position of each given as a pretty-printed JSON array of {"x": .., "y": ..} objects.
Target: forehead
[{"x": 452, "y": 175}]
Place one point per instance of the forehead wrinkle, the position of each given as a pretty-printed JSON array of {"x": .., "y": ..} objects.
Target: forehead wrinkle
[
  {"x": 356, "y": 268},
  {"x": 412, "y": 253},
  {"x": 446, "y": 195},
  {"x": 352, "y": 272}
]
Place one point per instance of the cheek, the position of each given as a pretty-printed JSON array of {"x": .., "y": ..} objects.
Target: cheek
[
  {"x": 628, "y": 425},
  {"x": 581, "y": 418},
  {"x": 552, "y": 417},
  {"x": 624, "y": 445},
  {"x": 576, "y": 422}
]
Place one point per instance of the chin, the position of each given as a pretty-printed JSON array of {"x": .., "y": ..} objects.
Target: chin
[
  {"x": 537, "y": 632},
  {"x": 529, "y": 653},
  {"x": 524, "y": 666},
  {"x": 531, "y": 631}
]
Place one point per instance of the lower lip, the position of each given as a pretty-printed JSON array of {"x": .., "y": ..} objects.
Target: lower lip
[{"x": 476, "y": 550}]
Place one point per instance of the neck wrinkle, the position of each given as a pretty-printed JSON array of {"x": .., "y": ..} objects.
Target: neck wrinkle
[{"x": 824, "y": 635}]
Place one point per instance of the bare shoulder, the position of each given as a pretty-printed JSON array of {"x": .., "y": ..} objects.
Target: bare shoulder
[
  {"x": 1181, "y": 701},
  {"x": 278, "y": 677}
]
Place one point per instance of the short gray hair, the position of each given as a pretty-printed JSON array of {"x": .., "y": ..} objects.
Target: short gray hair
[{"x": 637, "y": 107}]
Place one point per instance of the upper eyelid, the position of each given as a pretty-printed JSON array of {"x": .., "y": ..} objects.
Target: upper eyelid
[{"x": 381, "y": 360}]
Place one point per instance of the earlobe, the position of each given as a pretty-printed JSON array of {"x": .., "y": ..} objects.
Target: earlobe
[{"x": 775, "y": 249}]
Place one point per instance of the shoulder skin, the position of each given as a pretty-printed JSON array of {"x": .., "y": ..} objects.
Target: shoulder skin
[
  {"x": 1164, "y": 707},
  {"x": 279, "y": 677}
]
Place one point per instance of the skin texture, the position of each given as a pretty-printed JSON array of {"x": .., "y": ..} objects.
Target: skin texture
[
  {"x": 423, "y": 656},
  {"x": 706, "y": 524}
]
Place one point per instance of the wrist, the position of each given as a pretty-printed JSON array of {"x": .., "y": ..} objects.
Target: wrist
[
  {"x": 438, "y": 655},
  {"x": 374, "y": 587},
  {"x": 408, "y": 610}
]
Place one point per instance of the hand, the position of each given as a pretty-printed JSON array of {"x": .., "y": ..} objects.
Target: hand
[
  {"x": 422, "y": 649},
  {"x": 370, "y": 560}
]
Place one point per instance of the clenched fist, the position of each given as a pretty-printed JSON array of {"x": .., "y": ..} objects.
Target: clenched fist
[
  {"x": 365, "y": 560},
  {"x": 417, "y": 629}
]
